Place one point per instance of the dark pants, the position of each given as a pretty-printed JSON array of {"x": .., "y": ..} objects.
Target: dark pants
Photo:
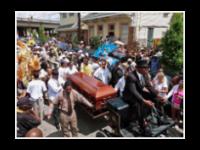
[
  {"x": 141, "y": 110},
  {"x": 55, "y": 115}
]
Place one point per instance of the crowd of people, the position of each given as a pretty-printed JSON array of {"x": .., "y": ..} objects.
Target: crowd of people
[{"x": 138, "y": 79}]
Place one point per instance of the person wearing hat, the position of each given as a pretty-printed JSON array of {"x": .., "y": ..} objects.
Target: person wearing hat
[
  {"x": 26, "y": 118},
  {"x": 71, "y": 69},
  {"x": 52, "y": 59},
  {"x": 103, "y": 73},
  {"x": 135, "y": 96},
  {"x": 81, "y": 45}
]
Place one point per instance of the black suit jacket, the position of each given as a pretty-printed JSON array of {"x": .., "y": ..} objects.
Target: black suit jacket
[{"x": 133, "y": 89}]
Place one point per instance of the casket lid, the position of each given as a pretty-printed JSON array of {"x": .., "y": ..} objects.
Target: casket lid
[{"x": 92, "y": 86}]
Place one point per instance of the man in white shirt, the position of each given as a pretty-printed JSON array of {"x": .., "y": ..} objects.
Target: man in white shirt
[
  {"x": 53, "y": 89},
  {"x": 71, "y": 69},
  {"x": 53, "y": 85},
  {"x": 62, "y": 72},
  {"x": 103, "y": 73},
  {"x": 120, "y": 85},
  {"x": 36, "y": 89},
  {"x": 95, "y": 65}
]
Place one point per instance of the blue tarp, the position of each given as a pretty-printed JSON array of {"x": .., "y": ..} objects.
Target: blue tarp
[
  {"x": 112, "y": 61},
  {"x": 105, "y": 49}
]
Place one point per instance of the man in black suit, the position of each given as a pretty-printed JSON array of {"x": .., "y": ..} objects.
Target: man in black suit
[{"x": 137, "y": 95}]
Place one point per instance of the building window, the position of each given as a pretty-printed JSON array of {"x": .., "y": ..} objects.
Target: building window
[
  {"x": 124, "y": 33},
  {"x": 91, "y": 31},
  {"x": 165, "y": 15},
  {"x": 111, "y": 30},
  {"x": 100, "y": 30},
  {"x": 163, "y": 33},
  {"x": 64, "y": 15},
  {"x": 71, "y": 14},
  {"x": 150, "y": 37},
  {"x": 112, "y": 27}
]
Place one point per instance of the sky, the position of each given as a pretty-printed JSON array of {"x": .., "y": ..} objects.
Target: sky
[
  {"x": 55, "y": 16},
  {"x": 39, "y": 15}
]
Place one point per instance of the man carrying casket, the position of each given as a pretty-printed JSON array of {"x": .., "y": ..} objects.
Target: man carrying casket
[{"x": 66, "y": 100}]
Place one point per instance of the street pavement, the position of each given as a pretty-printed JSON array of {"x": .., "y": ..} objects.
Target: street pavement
[{"x": 88, "y": 127}]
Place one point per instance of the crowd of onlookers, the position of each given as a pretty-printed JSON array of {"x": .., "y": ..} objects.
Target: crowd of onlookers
[{"x": 57, "y": 63}]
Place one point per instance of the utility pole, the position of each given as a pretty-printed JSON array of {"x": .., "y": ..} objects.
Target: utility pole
[{"x": 79, "y": 26}]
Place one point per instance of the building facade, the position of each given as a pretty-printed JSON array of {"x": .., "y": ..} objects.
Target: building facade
[
  {"x": 25, "y": 26},
  {"x": 149, "y": 28},
  {"x": 68, "y": 28}
]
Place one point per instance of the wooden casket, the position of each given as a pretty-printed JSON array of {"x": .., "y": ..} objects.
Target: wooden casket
[{"x": 94, "y": 90}]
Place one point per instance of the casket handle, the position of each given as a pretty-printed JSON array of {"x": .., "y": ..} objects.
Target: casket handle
[{"x": 105, "y": 98}]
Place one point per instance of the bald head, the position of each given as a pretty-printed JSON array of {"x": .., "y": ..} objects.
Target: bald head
[{"x": 35, "y": 132}]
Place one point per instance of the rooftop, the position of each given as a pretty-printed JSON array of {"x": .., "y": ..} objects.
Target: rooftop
[
  {"x": 92, "y": 16},
  {"x": 37, "y": 20}
]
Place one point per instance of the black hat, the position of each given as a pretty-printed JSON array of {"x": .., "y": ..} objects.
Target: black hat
[{"x": 142, "y": 64}]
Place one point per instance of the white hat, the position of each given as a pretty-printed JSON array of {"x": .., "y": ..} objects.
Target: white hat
[
  {"x": 129, "y": 60},
  {"x": 80, "y": 51},
  {"x": 66, "y": 60},
  {"x": 82, "y": 55},
  {"x": 37, "y": 47},
  {"x": 158, "y": 54},
  {"x": 87, "y": 54}
]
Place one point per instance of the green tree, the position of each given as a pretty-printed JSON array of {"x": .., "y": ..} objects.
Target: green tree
[
  {"x": 172, "y": 45},
  {"x": 41, "y": 33},
  {"x": 75, "y": 40},
  {"x": 95, "y": 42}
]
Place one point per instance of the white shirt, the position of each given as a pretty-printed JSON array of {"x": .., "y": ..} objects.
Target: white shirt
[
  {"x": 71, "y": 71},
  {"x": 141, "y": 78},
  {"x": 53, "y": 88},
  {"x": 120, "y": 85},
  {"x": 95, "y": 66},
  {"x": 43, "y": 73},
  {"x": 36, "y": 88},
  {"x": 43, "y": 53},
  {"x": 62, "y": 75},
  {"x": 133, "y": 64},
  {"x": 103, "y": 74},
  {"x": 155, "y": 80},
  {"x": 159, "y": 87}
]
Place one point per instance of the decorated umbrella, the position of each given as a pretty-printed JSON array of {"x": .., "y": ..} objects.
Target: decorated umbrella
[{"x": 27, "y": 63}]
